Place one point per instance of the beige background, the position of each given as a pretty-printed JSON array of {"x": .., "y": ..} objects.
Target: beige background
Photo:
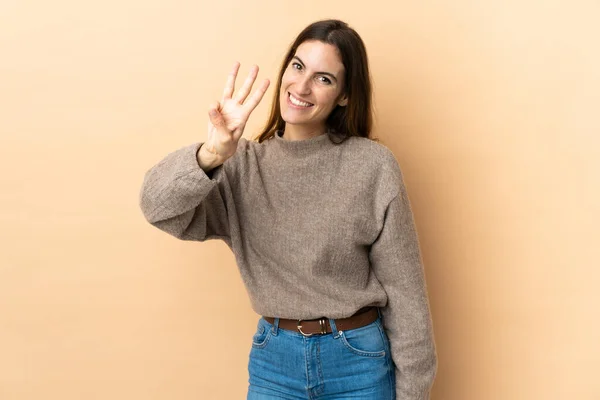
[{"x": 490, "y": 107}]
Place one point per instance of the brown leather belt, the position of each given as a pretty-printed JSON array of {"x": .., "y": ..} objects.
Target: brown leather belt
[{"x": 320, "y": 326}]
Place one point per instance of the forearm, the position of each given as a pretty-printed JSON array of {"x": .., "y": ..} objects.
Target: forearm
[{"x": 179, "y": 198}]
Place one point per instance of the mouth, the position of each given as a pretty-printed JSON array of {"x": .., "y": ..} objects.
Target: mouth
[{"x": 297, "y": 103}]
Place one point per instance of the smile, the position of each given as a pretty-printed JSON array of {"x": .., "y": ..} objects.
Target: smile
[{"x": 298, "y": 103}]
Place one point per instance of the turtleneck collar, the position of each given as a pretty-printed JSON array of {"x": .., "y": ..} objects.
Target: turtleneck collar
[{"x": 304, "y": 146}]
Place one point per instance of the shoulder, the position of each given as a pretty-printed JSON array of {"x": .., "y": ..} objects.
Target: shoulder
[
  {"x": 243, "y": 161},
  {"x": 369, "y": 147},
  {"x": 375, "y": 158},
  {"x": 243, "y": 147},
  {"x": 246, "y": 146}
]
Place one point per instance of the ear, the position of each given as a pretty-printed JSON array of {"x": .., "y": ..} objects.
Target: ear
[{"x": 343, "y": 101}]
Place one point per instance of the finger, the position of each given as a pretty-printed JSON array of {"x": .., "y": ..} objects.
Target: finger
[
  {"x": 245, "y": 89},
  {"x": 256, "y": 97},
  {"x": 230, "y": 84}
]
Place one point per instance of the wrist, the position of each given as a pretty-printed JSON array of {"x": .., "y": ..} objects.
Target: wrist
[
  {"x": 209, "y": 148},
  {"x": 208, "y": 159}
]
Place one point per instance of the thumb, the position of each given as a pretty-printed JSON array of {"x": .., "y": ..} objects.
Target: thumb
[{"x": 215, "y": 116}]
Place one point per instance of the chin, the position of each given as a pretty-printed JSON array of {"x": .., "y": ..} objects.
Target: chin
[
  {"x": 296, "y": 121},
  {"x": 292, "y": 119}
]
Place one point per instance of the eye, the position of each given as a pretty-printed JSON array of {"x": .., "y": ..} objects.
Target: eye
[
  {"x": 325, "y": 80},
  {"x": 294, "y": 65}
]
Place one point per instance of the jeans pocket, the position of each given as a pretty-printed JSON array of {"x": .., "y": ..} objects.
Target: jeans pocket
[
  {"x": 365, "y": 341},
  {"x": 262, "y": 335}
]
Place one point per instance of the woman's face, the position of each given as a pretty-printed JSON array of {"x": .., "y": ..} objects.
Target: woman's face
[{"x": 312, "y": 85}]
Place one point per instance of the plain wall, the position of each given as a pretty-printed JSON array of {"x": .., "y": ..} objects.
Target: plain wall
[{"x": 491, "y": 109}]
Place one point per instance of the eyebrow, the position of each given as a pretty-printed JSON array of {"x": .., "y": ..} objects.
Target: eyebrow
[{"x": 322, "y": 72}]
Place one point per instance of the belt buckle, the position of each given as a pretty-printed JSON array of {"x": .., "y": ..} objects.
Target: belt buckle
[{"x": 322, "y": 322}]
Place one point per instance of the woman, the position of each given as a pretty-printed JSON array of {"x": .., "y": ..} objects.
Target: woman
[{"x": 319, "y": 221}]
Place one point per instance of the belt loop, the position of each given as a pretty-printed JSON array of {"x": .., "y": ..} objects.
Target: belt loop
[
  {"x": 275, "y": 326},
  {"x": 379, "y": 312},
  {"x": 334, "y": 330}
]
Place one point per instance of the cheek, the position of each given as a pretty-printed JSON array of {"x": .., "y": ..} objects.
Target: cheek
[
  {"x": 285, "y": 83},
  {"x": 329, "y": 99},
  {"x": 286, "y": 77}
]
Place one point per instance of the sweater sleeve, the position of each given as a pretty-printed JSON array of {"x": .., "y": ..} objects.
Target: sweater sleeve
[
  {"x": 396, "y": 261},
  {"x": 180, "y": 198}
]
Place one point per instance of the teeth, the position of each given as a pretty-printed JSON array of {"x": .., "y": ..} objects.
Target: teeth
[{"x": 297, "y": 102}]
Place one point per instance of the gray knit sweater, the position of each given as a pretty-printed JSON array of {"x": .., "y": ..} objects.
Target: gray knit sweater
[{"x": 317, "y": 229}]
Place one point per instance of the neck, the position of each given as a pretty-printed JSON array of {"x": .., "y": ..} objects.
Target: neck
[{"x": 298, "y": 132}]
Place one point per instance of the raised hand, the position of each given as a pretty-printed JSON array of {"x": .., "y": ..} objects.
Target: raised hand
[{"x": 227, "y": 119}]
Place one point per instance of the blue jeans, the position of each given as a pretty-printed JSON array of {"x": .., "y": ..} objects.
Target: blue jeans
[{"x": 352, "y": 364}]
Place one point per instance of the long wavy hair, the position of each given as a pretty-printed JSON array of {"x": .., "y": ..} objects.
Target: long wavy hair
[{"x": 354, "y": 119}]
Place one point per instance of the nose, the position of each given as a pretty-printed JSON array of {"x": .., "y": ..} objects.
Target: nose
[{"x": 303, "y": 85}]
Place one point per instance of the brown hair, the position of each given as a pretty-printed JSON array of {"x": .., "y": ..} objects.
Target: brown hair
[{"x": 354, "y": 119}]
